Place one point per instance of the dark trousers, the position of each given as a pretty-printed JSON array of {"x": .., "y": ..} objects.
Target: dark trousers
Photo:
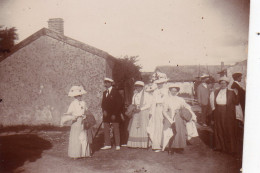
[
  {"x": 124, "y": 130},
  {"x": 115, "y": 132},
  {"x": 204, "y": 112}
]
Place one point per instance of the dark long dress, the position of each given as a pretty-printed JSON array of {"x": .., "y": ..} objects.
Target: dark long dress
[{"x": 225, "y": 134}]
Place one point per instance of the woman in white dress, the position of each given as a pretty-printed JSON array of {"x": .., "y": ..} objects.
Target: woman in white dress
[
  {"x": 78, "y": 144},
  {"x": 138, "y": 137},
  {"x": 177, "y": 114},
  {"x": 155, "y": 126}
]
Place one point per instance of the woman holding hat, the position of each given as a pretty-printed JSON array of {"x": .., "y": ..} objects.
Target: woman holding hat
[
  {"x": 138, "y": 137},
  {"x": 177, "y": 114},
  {"x": 225, "y": 101},
  {"x": 78, "y": 144}
]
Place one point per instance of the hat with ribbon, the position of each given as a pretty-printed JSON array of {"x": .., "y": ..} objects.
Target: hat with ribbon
[{"x": 76, "y": 91}]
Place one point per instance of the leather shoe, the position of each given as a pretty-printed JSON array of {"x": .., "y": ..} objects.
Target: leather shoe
[{"x": 106, "y": 147}]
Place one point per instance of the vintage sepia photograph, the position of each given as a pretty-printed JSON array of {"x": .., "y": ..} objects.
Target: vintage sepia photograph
[{"x": 127, "y": 86}]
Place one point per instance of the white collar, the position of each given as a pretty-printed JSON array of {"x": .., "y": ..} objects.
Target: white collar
[
  {"x": 205, "y": 85},
  {"x": 109, "y": 89},
  {"x": 237, "y": 83}
]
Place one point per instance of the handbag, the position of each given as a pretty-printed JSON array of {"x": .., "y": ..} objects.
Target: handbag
[
  {"x": 89, "y": 121},
  {"x": 185, "y": 114},
  {"x": 130, "y": 110}
]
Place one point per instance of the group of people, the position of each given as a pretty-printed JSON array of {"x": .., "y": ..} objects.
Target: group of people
[
  {"x": 158, "y": 117},
  {"x": 223, "y": 109}
]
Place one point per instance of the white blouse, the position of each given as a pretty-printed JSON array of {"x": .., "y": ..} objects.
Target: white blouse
[
  {"x": 174, "y": 103},
  {"x": 77, "y": 108},
  {"x": 222, "y": 97},
  {"x": 160, "y": 95},
  {"x": 147, "y": 102}
]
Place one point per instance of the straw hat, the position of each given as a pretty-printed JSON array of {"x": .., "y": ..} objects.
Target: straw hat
[
  {"x": 108, "y": 79},
  {"x": 204, "y": 76},
  {"x": 224, "y": 78},
  {"x": 76, "y": 91},
  {"x": 161, "y": 80},
  {"x": 236, "y": 75},
  {"x": 140, "y": 83},
  {"x": 174, "y": 86}
]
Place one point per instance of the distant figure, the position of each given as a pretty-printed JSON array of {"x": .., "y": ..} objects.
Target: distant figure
[
  {"x": 225, "y": 101},
  {"x": 138, "y": 137},
  {"x": 79, "y": 145},
  {"x": 241, "y": 92},
  {"x": 111, "y": 108},
  {"x": 203, "y": 98}
]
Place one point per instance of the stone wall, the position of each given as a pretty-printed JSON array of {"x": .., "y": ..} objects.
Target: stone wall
[{"x": 35, "y": 81}]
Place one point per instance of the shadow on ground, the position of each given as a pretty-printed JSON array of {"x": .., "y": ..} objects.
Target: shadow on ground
[
  {"x": 98, "y": 142},
  {"x": 207, "y": 137},
  {"x": 15, "y": 150}
]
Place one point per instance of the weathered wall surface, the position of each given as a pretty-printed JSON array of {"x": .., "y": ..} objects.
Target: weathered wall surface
[{"x": 35, "y": 81}]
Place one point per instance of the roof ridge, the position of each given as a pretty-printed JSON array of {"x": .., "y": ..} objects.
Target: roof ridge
[{"x": 60, "y": 37}]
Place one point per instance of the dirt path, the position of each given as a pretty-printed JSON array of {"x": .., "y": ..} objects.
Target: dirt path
[{"x": 44, "y": 152}]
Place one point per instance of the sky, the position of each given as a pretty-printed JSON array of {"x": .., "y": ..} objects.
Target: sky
[{"x": 159, "y": 32}]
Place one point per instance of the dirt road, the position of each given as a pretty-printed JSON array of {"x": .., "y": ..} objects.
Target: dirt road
[{"x": 46, "y": 151}]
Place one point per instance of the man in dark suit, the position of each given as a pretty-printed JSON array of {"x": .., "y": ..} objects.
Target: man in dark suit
[
  {"x": 203, "y": 98},
  {"x": 111, "y": 108},
  {"x": 241, "y": 92}
]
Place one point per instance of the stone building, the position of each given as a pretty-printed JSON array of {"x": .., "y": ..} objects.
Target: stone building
[{"x": 36, "y": 76}]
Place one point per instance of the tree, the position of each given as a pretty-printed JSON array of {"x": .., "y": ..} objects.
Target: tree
[
  {"x": 125, "y": 73},
  {"x": 7, "y": 39},
  {"x": 126, "y": 69},
  {"x": 146, "y": 78}
]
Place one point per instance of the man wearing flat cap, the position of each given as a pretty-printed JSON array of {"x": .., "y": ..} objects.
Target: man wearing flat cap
[
  {"x": 241, "y": 92},
  {"x": 111, "y": 108}
]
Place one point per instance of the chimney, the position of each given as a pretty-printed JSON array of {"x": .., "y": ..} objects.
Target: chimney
[{"x": 56, "y": 24}]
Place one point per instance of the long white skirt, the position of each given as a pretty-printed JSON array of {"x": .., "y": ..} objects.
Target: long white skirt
[{"x": 155, "y": 128}]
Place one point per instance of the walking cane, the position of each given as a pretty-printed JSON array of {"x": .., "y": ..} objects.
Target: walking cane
[
  {"x": 92, "y": 150},
  {"x": 97, "y": 130}
]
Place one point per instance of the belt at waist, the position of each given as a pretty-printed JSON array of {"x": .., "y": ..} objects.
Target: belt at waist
[{"x": 220, "y": 105}]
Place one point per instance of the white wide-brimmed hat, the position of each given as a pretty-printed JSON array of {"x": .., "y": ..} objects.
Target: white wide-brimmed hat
[
  {"x": 161, "y": 80},
  {"x": 224, "y": 78},
  {"x": 174, "y": 86},
  {"x": 204, "y": 76},
  {"x": 141, "y": 83},
  {"x": 108, "y": 79},
  {"x": 150, "y": 88},
  {"x": 76, "y": 91}
]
